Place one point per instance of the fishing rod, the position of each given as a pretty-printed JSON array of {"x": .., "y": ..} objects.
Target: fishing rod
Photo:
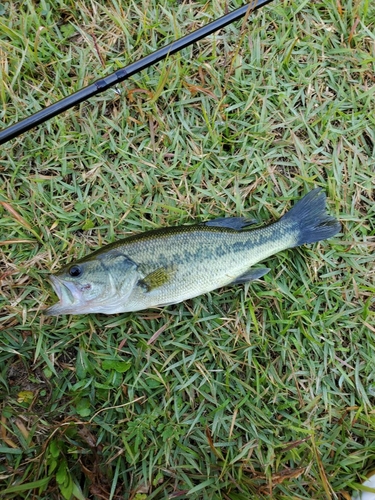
[{"x": 122, "y": 74}]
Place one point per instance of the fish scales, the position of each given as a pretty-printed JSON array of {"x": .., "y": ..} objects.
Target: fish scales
[
  {"x": 203, "y": 248},
  {"x": 168, "y": 265},
  {"x": 202, "y": 260}
]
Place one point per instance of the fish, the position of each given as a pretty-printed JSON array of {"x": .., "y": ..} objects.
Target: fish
[{"x": 168, "y": 265}]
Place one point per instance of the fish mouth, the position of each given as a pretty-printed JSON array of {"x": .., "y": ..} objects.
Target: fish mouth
[{"x": 68, "y": 294}]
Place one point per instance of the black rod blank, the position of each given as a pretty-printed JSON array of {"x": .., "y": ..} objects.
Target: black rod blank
[{"x": 122, "y": 74}]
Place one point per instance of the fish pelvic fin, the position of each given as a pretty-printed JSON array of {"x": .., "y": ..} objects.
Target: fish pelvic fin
[
  {"x": 311, "y": 219},
  {"x": 251, "y": 275}
]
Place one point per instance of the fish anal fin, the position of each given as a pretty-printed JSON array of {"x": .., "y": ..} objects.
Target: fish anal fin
[
  {"x": 156, "y": 278},
  {"x": 236, "y": 223},
  {"x": 251, "y": 275}
]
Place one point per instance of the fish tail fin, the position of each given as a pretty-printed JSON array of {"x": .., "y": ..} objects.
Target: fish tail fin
[{"x": 311, "y": 219}]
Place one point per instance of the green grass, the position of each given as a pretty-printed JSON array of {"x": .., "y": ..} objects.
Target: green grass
[{"x": 260, "y": 391}]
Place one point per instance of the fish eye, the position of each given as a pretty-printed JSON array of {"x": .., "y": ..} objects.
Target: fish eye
[{"x": 75, "y": 271}]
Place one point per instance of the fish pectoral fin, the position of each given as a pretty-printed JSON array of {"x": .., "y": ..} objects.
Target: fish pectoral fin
[
  {"x": 251, "y": 275},
  {"x": 156, "y": 278},
  {"x": 230, "y": 222}
]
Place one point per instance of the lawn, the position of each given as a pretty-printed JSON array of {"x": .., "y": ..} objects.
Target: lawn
[{"x": 256, "y": 391}]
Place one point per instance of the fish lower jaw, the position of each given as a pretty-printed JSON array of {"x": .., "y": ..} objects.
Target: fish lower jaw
[{"x": 87, "y": 308}]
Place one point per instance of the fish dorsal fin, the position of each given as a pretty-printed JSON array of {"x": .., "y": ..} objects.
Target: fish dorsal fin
[
  {"x": 156, "y": 278},
  {"x": 251, "y": 275},
  {"x": 230, "y": 222}
]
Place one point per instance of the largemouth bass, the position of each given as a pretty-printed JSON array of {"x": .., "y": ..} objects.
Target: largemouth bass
[{"x": 166, "y": 266}]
